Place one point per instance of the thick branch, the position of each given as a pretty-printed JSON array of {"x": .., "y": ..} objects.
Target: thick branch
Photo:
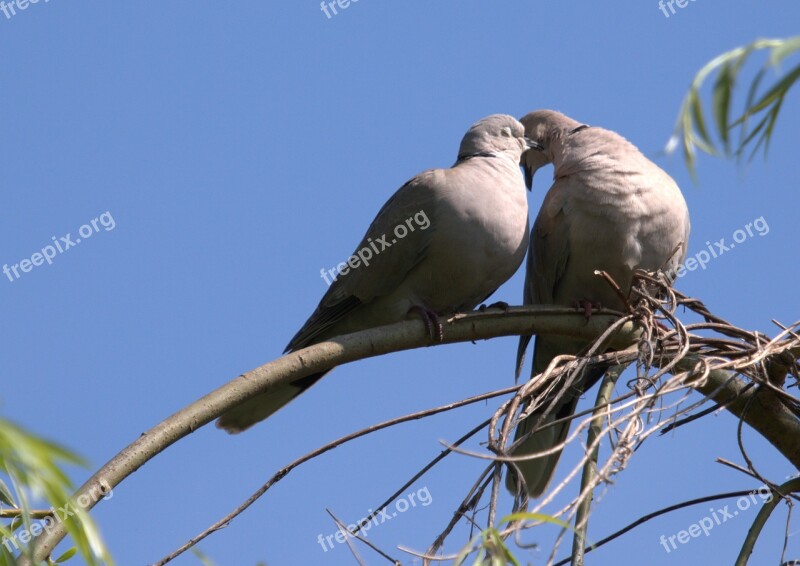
[
  {"x": 765, "y": 413},
  {"x": 392, "y": 338},
  {"x": 759, "y": 407}
]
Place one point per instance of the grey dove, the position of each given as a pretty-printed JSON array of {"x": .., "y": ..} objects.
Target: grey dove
[
  {"x": 476, "y": 238},
  {"x": 609, "y": 208}
]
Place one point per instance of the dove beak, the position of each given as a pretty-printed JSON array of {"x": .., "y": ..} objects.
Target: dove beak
[
  {"x": 528, "y": 177},
  {"x": 533, "y": 145}
]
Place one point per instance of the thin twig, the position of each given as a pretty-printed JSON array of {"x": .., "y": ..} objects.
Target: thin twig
[
  {"x": 330, "y": 446},
  {"x": 643, "y": 519},
  {"x": 348, "y": 533}
]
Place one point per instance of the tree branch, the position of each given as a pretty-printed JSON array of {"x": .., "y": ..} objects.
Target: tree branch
[
  {"x": 760, "y": 407},
  {"x": 761, "y": 519},
  {"x": 405, "y": 335}
]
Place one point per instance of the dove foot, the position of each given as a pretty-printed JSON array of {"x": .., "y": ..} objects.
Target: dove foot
[
  {"x": 498, "y": 305},
  {"x": 433, "y": 323},
  {"x": 587, "y": 306}
]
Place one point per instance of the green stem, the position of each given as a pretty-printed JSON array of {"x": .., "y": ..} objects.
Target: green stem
[
  {"x": 790, "y": 486},
  {"x": 588, "y": 477}
]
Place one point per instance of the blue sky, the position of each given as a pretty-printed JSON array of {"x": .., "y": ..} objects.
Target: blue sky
[{"x": 241, "y": 147}]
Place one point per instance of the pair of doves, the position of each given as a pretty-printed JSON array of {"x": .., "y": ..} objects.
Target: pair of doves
[{"x": 609, "y": 208}]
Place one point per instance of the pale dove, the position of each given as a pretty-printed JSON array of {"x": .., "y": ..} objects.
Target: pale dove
[
  {"x": 466, "y": 233},
  {"x": 609, "y": 208}
]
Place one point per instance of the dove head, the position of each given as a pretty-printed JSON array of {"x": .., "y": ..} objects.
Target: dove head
[
  {"x": 546, "y": 129},
  {"x": 497, "y": 134}
]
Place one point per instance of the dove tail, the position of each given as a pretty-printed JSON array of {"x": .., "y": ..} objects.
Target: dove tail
[
  {"x": 521, "y": 348},
  {"x": 549, "y": 438},
  {"x": 538, "y": 472},
  {"x": 262, "y": 406}
]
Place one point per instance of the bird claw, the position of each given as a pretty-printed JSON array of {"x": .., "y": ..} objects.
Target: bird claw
[
  {"x": 498, "y": 305},
  {"x": 587, "y": 306},
  {"x": 433, "y": 323}
]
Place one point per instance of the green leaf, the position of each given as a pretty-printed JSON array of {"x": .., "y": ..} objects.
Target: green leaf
[
  {"x": 67, "y": 555},
  {"x": 5, "y": 495},
  {"x": 699, "y": 121},
  {"x": 777, "y": 91},
  {"x": 691, "y": 133},
  {"x": 751, "y": 96},
  {"x": 771, "y": 118},
  {"x": 15, "y": 523},
  {"x": 721, "y": 103},
  {"x": 780, "y": 52},
  {"x": 753, "y": 134},
  {"x": 504, "y": 556},
  {"x": 7, "y": 557},
  {"x": 205, "y": 560},
  {"x": 34, "y": 467},
  {"x": 536, "y": 517}
]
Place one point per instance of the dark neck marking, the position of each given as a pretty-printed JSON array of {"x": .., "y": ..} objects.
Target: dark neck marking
[
  {"x": 579, "y": 129},
  {"x": 466, "y": 156}
]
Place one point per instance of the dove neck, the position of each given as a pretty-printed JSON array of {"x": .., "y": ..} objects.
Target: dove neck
[
  {"x": 562, "y": 142},
  {"x": 466, "y": 156}
]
